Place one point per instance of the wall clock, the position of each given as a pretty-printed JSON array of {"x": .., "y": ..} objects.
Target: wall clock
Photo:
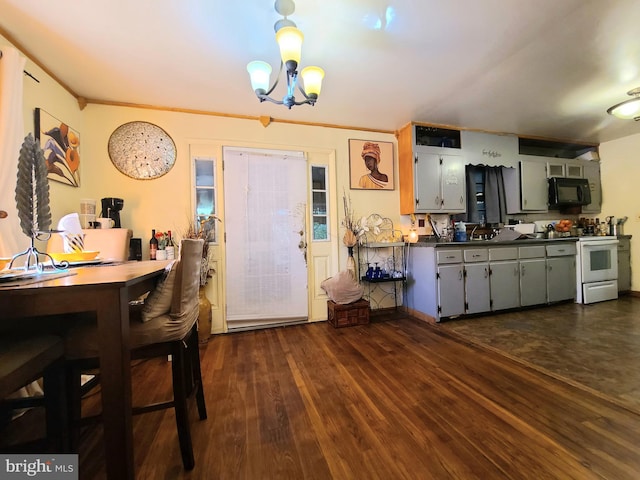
[{"x": 142, "y": 150}]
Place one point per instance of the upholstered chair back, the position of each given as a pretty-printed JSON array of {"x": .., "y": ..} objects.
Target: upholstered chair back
[{"x": 187, "y": 282}]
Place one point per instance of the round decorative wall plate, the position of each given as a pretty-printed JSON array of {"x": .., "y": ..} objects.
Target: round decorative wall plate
[{"x": 142, "y": 150}]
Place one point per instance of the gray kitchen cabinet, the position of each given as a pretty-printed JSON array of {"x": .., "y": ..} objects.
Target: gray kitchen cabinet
[
  {"x": 477, "y": 291},
  {"x": 558, "y": 168},
  {"x": 534, "y": 186},
  {"x": 447, "y": 280},
  {"x": 450, "y": 281},
  {"x": 450, "y": 290},
  {"x": 504, "y": 278},
  {"x": 431, "y": 170},
  {"x": 591, "y": 171},
  {"x": 533, "y": 275},
  {"x": 477, "y": 288},
  {"x": 440, "y": 182},
  {"x": 561, "y": 272},
  {"x": 624, "y": 264}
]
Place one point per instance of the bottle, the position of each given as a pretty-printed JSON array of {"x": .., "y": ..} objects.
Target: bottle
[
  {"x": 153, "y": 245},
  {"x": 171, "y": 247}
]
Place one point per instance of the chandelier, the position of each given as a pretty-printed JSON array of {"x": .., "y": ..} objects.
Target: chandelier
[
  {"x": 629, "y": 109},
  {"x": 289, "y": 39}
]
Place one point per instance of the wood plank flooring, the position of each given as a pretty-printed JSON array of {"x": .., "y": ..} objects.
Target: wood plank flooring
[
  {"x": 596, "y": 345},
  {"x": 396, "y": 399}
]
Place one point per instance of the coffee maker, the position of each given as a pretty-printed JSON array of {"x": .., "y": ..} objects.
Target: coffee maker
[{"x": 111, "y": 209}]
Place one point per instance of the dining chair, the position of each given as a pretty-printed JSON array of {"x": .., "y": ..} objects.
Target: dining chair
[
  {"x": 24, "y": 359},
  {"x": 166, "y": 325}
]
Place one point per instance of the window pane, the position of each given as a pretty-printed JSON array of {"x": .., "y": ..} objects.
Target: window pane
[
  {"x": 204, "y": 173},
  {"x": 204, "y": 202},
  {"x": 320, "y": 203},
  {"x": 318, "y": 178},
  {"x": 320, "y": 228}
]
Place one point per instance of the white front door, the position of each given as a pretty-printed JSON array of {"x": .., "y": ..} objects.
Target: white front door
[{"x": 265, "y": 223}]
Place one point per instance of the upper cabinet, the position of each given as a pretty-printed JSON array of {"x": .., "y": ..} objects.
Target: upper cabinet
[
  {"x": 534, "y": 187},
  {"x": 561, "y": 159},
  {"x": 489, "y": 149},
  {"x": 431, "y": 170},
  {"x": 591, "y": 171}
]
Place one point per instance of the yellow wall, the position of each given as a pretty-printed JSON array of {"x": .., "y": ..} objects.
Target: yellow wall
[
  {"x": 620, "y": 169},
  {"x": 165, "y": 203}
]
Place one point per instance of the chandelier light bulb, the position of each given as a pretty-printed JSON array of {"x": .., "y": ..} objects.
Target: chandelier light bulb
[
  {"x": 289, "y": 40},
  {"x": 312, "y": 80},
  {"x": 629, "y": 109},
  {"x": 260, "y": 73}
]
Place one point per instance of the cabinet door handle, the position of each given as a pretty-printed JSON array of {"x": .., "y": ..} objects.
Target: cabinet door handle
[
  {"x": 461, "y": 200},
  {"x": 460, "y": 275},
  {"x": 522, "y": 270},
  {"x": 486, "y": 272}
]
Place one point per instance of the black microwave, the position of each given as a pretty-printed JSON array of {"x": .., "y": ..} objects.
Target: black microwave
[{"x": 569, "y": 191}]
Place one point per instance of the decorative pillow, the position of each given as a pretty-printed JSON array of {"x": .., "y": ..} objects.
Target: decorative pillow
[
  {"x": 343, "y": 288},
  {"x": 159, "y": 300}
]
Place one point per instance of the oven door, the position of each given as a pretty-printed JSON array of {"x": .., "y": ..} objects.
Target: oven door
[{"x": 599, "y": 260}]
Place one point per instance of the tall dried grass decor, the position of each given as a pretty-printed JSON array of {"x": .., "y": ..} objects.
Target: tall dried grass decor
[
  {"x": 353, "y": 230},
  {"x": 32, "y": 202}
]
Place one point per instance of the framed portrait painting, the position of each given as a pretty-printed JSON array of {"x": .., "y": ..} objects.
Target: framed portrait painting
[
  {"x": 61, "y": 146},
  {"x": 371, "y": 165}
]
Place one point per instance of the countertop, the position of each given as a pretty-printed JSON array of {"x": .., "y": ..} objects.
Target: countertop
[{"x": 431, "y": 242}]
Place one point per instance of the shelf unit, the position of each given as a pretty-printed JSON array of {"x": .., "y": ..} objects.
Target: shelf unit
[{"x": 382, "y": 246}]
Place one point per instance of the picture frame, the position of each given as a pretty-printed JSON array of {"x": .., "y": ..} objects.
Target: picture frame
[
  {"x": 61, "y": 146},
  {"x": 376, "y": 173}
]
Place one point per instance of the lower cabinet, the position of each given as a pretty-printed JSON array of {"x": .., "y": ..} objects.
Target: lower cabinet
[
  {"x": 561, "y": 272},
  {"x": 533, "y": 275},
  {"x": 477, "y": 290},
  {"x": 505, "y": 285},
  {"x": 624, "y": 264},
  {"x": 450, "y": 281},
  {"x": 450, "y": 290}
]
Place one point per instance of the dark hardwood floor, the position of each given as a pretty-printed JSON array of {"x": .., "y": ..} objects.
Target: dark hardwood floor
[
  {"x": 396, "y": 399},
  {"x": 597, "y": 345}
]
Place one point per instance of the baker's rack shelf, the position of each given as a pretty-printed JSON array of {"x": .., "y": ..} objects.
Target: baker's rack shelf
[{"x": 381, "y": 261}]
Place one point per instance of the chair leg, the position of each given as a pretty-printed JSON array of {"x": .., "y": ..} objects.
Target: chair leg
[
  {"x": 180, "y": 405},
  {"x": 194, "y": 352},
  {"x": 55, "y": 400},
  {"x": 74, "y": 408}
]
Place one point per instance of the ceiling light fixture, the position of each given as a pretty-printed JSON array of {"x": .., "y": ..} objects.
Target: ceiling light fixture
[
  {"x": 289, "y": 40},
  {"x": 629, "y": 109}
]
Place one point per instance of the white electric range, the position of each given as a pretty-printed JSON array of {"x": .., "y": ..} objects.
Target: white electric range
[{"x": 596, "y": 269}]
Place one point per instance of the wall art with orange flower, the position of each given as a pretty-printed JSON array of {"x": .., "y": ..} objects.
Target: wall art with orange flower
[{"x": 61, "y": 146}]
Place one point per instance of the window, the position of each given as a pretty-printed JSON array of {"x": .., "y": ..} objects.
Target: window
[
  {"x": 205, "y": 194},
  {"x": 319, "y": 203}
]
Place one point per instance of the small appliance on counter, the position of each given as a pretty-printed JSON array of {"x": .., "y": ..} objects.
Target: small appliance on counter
[{"x": 111, "y": 209}]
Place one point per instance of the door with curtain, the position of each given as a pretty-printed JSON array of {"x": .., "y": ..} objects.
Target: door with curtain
[{"x": 265, "y": 196}]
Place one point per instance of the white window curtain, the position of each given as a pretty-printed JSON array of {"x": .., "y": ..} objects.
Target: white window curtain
[{"x": 12, "y": 63}]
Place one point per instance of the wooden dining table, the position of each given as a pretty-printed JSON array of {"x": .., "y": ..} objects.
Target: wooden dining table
[{"x": 106, "y": 291}]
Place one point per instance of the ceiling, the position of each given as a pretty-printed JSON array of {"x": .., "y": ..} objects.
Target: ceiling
[{"x": 546, "y": 68}]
